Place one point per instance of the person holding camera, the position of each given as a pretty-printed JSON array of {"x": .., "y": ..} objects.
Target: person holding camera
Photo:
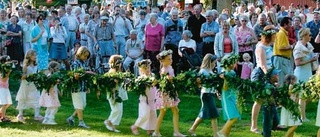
[{"x": 58, "y": 49}]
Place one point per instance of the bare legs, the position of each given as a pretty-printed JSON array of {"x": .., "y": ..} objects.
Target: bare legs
[
  {"x": 3, "y": 110},
  {"x": 227, "y": 127},
  {"x": 196, "y": 123},
  {"x": 175, "y": 120},
  {"x": 254, "y": 115},
  {"x": 290, "y": 131},
  {"x": 302, "y": 104}
]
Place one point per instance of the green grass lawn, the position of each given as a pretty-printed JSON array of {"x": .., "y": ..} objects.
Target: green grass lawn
[{"x": 97, "y": 111}]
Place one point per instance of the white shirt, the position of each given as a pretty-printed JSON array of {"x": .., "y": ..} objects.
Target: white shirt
[
  {"x": 119, "y": 26},
  {"x": 58, "y": 35},
  {"x": 73, "y": 22}
]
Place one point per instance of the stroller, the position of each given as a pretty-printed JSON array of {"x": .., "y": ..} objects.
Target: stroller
[
  {"x": 102, "y": 65},
  {"x": 190, "y": 60}
]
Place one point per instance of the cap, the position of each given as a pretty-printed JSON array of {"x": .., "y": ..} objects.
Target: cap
[
  {"x": 316, "y": 11},
  {"x": 104, "y": 18}
]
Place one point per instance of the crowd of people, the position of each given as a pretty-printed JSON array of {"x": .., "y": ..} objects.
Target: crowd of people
[{"x": 73, "y": 37}]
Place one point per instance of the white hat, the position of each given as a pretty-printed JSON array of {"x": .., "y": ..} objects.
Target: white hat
[{"x": 104, "y": 18}]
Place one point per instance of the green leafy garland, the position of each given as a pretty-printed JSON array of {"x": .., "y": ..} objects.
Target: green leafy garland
[
  {"x": 230, "y": 60},
  {"x": 5, "y": 69},
  {"x": 43, "y": 81},
  {"x": 310, "y": 90},
  {"x": 140, "y": 84}
]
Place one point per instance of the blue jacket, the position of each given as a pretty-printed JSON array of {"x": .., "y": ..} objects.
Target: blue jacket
[
  {"x": 173, "y": 33},
  {"x": 35, "y": 32}
]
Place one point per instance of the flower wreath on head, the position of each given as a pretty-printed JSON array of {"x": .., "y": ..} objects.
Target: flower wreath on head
[
  {"x": 232, "y": 59},
  {"x": 116, "y": 64},
  {"x": 163, "y": 54},
  {"x": 144, "y": 63},
  {"x": 268, "y": 32}
]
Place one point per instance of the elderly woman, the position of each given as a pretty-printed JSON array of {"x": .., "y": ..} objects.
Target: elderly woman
[
  {"x": 187, "y": 42},
  {"x": 134, "y": 50},
  {"x": 263, "y": 55},
  {"x": 58, "y": 49},
  {"x": 39, "y": 37},
  {"x": 154, "y": 41},
  {"x": 303, "y": 58},
  {"x": 14, "y": 32}
]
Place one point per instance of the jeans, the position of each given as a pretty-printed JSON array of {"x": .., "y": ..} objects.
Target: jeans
[{"x": 270, "y": 119}]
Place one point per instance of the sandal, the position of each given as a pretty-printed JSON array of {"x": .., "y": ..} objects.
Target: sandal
[
  {"x": 257, "y": 131},
  {"x": 134, "y": 130},
  {"x": 192, "y": 133}
]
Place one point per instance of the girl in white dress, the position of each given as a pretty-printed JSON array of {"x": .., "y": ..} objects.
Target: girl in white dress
[
  {"x": 28, "y": 95},
  {"x": 49, "y": 99},
  {"x": 287, "y": 118},
  {"x": 147, "y": 111},
  {"x": 5, "y": 96}
]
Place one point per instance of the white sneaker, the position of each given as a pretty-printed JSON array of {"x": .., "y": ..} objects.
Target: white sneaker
[
  {"x": 45, "y": 121},
  {"x": 38, "y": 118},
  {"x": 51, "y": 122},
  {"x": 83, "y": 125}
]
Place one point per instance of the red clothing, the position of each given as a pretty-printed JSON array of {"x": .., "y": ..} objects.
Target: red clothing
[
  {"x": 153, "y": 37},
  {"x": 227, "y": 45},
  {"x": 292, "y": 35}
]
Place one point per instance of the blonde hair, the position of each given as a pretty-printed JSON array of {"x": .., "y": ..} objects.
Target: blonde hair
[
  {"x": 82, "y": 50},
  {"x": 144, "y": 63},
  {"x": 27, "y": 58},
  {"x": 246, "y": 55},
  {"x": 115, "y": 62},
  {"x": 207, "y": 62},
  {"x": 303, "y": 32}
]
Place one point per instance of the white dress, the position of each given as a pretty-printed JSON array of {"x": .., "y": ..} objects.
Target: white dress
[
  {"x": 147, "y": 110},
  {"x": 5, "y": 95},
  {"x": 287, "y": 119},
  {"x": 28, "y": 95},
  {"x": 318, "y": 115},
  {"x": 50, "y": 99}
]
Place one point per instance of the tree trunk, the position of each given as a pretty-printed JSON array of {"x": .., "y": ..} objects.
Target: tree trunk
[{"x": 221, "y": 4}]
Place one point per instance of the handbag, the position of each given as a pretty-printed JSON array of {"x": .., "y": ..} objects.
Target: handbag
[{"x": 8, "y": 42}]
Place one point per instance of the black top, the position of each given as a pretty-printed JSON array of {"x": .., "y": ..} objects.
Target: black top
[{"x": 194, "y": 25}]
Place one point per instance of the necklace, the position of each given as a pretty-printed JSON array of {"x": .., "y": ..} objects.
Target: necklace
[{"x": 133, "y": 45}]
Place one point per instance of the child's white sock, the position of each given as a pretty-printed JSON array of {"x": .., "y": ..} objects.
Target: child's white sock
[
  {"x": 20, "y": 112},
  {"x": 36, "y": 112}
]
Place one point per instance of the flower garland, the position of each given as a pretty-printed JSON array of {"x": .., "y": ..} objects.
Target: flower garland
[{"x": 43, "y": 81}]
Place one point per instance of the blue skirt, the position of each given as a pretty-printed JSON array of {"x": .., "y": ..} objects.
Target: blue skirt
[
  {"x": 208, "y": 109},
  {"x": 58, "y": 51}
]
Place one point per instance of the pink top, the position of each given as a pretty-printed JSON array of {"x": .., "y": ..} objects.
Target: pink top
[
  {"x": 4, "y": 84},
  {"x": 153, "y": 37},
  {"x": 243, "y": 37},
  {"x": 246, "y": 70},
  {"x": 167, "y": 70},
  {"x": 227, "y": 44}
]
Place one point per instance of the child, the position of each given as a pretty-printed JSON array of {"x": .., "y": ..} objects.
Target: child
[
  {"x": 28, "y": 96},
  {"x": 163, "y": 100},
  {"x": 247, "y": 66},
  {"x": 228, "y": 100},
  {"x": 286, "y": 117},
  {"x": 115, "y": 116},
  {"x": 5, "y": 96},
  {"x": 208, "y": 109},
  {"x": 147, "y": 112},
  {"x": 74, "y": 50},
  {"x": 49, "y": 99},
  {"x": 134, "y": 51},
  {"x": 79, "y": 95}
]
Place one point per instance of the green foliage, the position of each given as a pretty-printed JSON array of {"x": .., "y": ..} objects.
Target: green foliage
[{"x": 229, "y": 61}]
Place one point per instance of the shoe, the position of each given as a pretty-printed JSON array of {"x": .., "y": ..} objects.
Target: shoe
[
  {"x": 179, "y": 135},
  {"x": 83, "y": 125},
  {"x": 154, "y": 134},
  {"x": 38, "y": 118},
  {"x": 51, "y": 122},
  {"x": 20, "y": 118},
  {"x": 45, "y": 120},
  {"x": 134, "y": 130},
  {"x": 116, "y": 130},
  {"x": 257, "y": 131},
  {"x": 192, "y": 133},
  {"x": 220, "y": 134},
  {"x": 305, "y": 120},
  {"x": 5, "y": 119},
  {"x": 70, "y": 120}
]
